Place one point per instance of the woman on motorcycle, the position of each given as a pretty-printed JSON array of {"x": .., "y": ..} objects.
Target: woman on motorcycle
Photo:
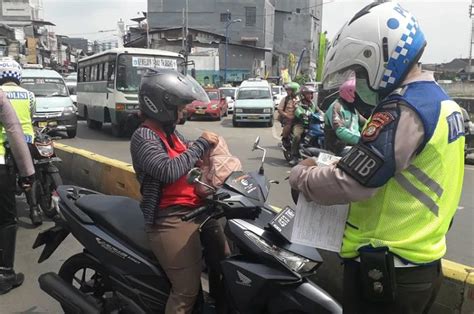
[
  {"x": 162, "y": 158},
  {"x": 342, "y": 121}
]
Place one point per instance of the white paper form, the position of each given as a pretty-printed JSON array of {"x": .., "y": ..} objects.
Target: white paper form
[{"x": 319, "y": 226}]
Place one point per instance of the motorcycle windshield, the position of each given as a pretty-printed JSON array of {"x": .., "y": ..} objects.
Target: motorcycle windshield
[{"x": 244, "y": 184}]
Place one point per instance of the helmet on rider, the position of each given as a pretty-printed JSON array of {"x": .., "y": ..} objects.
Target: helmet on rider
[
  {"x": 10, "y": 71},
  {"x": 163, "y": 92},
  {"x": 381, "y": 44},
  {"x": 347, "y": 90},
  {"x": 293, "y": 87},
  {"x": 307, "y": 92}
]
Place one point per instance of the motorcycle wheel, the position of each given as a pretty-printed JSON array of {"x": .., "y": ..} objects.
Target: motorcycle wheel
[
  {"x": 91, "y": 278},
  {"x": 50, "y": 182}
]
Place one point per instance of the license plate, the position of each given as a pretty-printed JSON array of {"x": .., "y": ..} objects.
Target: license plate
[
  {"x": 42, "y": 124},
  {"x": 200, "y": 112},
  {"x": 253, "y": 117}
]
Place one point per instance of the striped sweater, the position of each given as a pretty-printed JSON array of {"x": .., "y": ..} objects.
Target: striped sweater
[{"x": 154, "y": 167}]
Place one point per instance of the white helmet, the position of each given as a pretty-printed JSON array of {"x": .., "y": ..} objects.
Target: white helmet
[
  {"x": 384, "y": 39},
  {"x": 10, "y": 70}
]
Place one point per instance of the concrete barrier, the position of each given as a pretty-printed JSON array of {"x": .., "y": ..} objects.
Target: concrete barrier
[{"x": 111, "y": 176}]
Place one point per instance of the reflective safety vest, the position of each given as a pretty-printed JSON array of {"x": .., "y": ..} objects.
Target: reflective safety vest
[
  {"x": 23, "y": 102},
  {"x": 412, "y": 212}
]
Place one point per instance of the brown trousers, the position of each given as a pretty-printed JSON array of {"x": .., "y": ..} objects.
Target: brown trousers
[{"x": 177, "y": 246}]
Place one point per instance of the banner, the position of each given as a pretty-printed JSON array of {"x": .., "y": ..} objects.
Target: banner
[{"x": 322, "y": 55}]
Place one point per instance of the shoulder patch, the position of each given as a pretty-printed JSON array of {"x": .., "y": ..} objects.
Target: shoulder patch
[
  {"x": 361, "y": 163},
  {"x": 455, "y": 125},
  {"x": 377, "y": 122}
]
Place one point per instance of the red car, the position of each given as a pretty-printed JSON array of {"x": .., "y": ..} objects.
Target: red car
[{"x": 216, "y": 108}]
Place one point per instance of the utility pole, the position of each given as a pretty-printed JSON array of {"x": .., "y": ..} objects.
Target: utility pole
[{"x": 470, "y": 41}]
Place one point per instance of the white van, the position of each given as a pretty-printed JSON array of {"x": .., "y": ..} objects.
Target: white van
[{"x": 254, "y": 103}]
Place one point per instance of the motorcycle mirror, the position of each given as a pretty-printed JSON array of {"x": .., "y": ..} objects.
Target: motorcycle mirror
[
  {"x": 255, "y": 145},
  {"x": 194, "y": 175}
]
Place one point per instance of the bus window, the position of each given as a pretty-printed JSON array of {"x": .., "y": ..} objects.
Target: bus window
[
  {"x": 100, "y": 72},
  {"x": 132, "y": 67},
  {"x": 111, "y": 75},
  {"x": 87, "y": 76},
  {"x": 94, "y": 73}
]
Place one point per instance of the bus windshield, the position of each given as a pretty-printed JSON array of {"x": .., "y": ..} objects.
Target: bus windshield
[{"x": 132, "y": 67}]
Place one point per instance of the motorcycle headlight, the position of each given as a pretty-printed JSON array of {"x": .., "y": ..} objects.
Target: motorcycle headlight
[
  {"x": 267, "y": 110},
  {"x": 45, "y": 150},
  {"x": 294, "y": 262},
  {"x": 238, "y": 110},
  {"x": 69, "y": 110}
]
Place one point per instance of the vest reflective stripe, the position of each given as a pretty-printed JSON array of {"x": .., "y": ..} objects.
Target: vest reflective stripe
[
  {"x": 423, "y": 177},
  {"x": 419, "y": 195},
  {"x": 412, "y": 212},
  {"x": 21, "y": 101}
]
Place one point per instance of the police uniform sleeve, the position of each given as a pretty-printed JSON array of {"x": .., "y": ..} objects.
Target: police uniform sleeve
[
  {"x": 386, "y": 149},
  {"x": 16, "y": 137}
]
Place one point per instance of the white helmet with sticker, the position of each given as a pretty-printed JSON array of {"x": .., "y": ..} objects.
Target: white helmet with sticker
[{"x": 380, "y": 43}]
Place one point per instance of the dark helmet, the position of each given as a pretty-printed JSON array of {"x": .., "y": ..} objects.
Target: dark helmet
[
  {"x": 307, "y": 89},
  {"x": 163, "y": 90}
]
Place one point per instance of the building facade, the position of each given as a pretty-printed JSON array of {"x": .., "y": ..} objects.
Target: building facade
[{"x": 277, "y": 29}]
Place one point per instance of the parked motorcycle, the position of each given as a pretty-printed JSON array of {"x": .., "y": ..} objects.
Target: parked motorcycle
[
  {"x": 118, "y": 273},
  {"x": 312, "y": 142},
  {"x": 40, "y": 196}
]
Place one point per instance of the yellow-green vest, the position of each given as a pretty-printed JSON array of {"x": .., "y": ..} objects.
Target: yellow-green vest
[
  {"x": 21, "y": 100},
  {"x": 412, "y": 212}
]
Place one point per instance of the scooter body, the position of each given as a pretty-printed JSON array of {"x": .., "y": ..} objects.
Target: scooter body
[{"x": 127, "y": 278}]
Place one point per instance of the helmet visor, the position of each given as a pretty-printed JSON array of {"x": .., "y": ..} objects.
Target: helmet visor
[
  {"x": 336, "y": 79},
  {"x": 196, "y": 91}
]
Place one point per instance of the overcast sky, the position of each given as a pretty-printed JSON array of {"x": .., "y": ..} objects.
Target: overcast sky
[{"x": 446, "y": 23}]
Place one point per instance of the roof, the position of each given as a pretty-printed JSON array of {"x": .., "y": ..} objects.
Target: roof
[
  {"x": 141, "y": 51},
  {"x": 40, "y": 73}
]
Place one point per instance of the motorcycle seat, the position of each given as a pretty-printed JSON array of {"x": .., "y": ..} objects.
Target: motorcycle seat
[{"x": 118, "y": 215}]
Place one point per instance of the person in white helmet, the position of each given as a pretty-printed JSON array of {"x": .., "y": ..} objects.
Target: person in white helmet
[
  {"x": 24, "y": 103},
  {"x": 404, "y": 178},
  {"x": 11, "y": 129}
]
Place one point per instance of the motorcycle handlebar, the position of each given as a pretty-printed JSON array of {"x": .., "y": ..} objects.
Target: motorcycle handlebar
[{"x": 194, "y": 213}]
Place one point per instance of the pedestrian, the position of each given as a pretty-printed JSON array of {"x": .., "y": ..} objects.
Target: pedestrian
[
  {"x": 10, "y": 129},
  {"x": 404, "y": 177},
  {"x": 24, "y": 103},
  {"x": 342, "y": 121},
  {"x": 162, "y": 158}
]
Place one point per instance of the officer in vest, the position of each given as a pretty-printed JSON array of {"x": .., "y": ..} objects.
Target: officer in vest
[
  {"x": 404, "y": 177},
  {"x": 10, "y": 128},
  {"x": 24, "y": 103}
]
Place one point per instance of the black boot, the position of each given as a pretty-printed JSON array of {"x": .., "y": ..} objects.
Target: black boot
[
  {"x": 35, "y": 216},
  {"x": 35, "y": 213},
  {"x": 8, "y": 278}
]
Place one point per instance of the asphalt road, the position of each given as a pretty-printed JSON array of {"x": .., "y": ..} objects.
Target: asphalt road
[{"x": 30, "y": 299}]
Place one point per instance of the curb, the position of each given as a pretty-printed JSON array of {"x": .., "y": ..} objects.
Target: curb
[{"x": 111, "y": 176}]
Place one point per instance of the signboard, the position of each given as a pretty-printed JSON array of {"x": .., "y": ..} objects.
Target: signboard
[
  {"x": 31, "y": 51},
  {"x": 16, "y": 8},
  {"x": 154, "y": 62}
]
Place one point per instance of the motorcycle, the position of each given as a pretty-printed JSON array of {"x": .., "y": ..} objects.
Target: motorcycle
[
  {"x": 312, "y": 140},
  {"x": 47, "y": 176},
  {"x": 118, "y": 273}
]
